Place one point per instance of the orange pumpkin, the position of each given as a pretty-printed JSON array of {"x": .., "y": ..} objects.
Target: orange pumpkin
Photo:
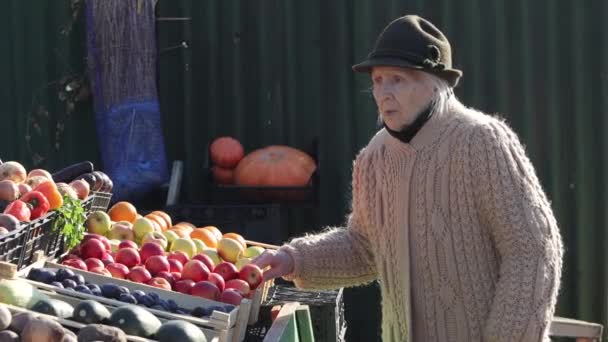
[{"x": 275, "y": 166}]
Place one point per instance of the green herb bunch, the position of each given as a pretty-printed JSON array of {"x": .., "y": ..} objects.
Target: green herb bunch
[{"x": 70, "y": 221}]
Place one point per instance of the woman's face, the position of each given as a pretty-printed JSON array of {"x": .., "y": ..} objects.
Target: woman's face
[{"x": 400, "y": 94}]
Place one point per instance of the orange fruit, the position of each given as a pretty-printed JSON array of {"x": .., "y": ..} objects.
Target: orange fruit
[
  {"x": 236, "y": 237},
  {"x": 123, "y": 211},
  {"x": 215, "y": 231},
  {"x": 187, "y": 224},
  {"x": 164, "y": 216},
  {"x": 162, "y": 224},
  {"x": 204, "y": 235},
  {"x": 182, "y": 231}
]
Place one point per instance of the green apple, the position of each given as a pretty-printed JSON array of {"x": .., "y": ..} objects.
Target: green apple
[
  {"x": 114, "y": 245},
  {"x": 141, "y": 227},
  {"x": 171, "y": 236},
  {"x": 185, "y": 245},
  {"x": 253, "y": 251},
  {"x": 212, "y": 253},
  {"x": 98, "y": 223},
  {"x": 156, "y": 237},
  {"x": 229, "y": 249},
  {"x": 121, "y": 231},
  {"x": 200, "y": 245},
  {"x": 242, "y": 262}
]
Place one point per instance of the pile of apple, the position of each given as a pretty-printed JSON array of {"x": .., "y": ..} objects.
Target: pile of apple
[
  {"x": 144, "y": 253},
  {"x": 28, "y": 196}
]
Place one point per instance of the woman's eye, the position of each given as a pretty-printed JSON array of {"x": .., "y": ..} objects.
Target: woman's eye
[
  {"x": 377, "y": 79},
  {"x": 397, "y": 79}
]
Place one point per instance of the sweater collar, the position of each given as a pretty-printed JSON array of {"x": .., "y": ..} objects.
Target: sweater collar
[
  {"x": 427, "y": 134},
  {"x": 405, "y": 135}
]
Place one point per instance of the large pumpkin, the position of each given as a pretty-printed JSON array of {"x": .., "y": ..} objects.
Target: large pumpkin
[{"x": 275, "y": 166}]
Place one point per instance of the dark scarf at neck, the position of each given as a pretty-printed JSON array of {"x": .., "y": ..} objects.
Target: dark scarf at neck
[{"x": 407, "y": 133}]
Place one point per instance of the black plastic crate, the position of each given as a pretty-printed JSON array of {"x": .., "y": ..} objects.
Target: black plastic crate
[
  {"x": 11, "y": 244},
  {"x": 326, "y": 309},
  {"x": 42, "y": 237},
  {"x": 262, "y": 223},
  {"x": 307, "y": 196}
]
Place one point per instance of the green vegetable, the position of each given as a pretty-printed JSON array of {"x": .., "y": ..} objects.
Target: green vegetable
[
  {"x": 19, "y": 293},
  {"x": 70, "y": 221}
]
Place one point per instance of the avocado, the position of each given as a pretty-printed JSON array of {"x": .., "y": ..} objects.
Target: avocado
[
  {"x": 110, "y": 290},
  {"x": 54, "y": 307},
  {"x": 42, "y": 275},
  {"x": 134, "y": 320},
  {"x": 180, "y": 331},
  {"x": 103, "y": 333},
  {"x": 63, "y": 274}
]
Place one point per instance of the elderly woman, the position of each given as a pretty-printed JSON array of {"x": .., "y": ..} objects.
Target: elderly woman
[{"x": 447, "y": 211}]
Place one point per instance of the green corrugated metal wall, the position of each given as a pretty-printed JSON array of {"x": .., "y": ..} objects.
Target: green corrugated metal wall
[{"x": 278, "y": 71}]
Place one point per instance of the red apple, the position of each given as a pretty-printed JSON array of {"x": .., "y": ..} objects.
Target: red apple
[
  {"x": 175, "y": 265},
  {"x": 161, "y": 283},
  {"x": 183, "y": 286},
  {"x": 107, "y": 258},
  {"x": 117, "y": 270},
  {"x": 139, "y": 274},
  {"x": 127, "y": 244},
  {"x": 24, "y": 188},
  {"x": 168, "y": 276},
  {"x": 94, "y": 262},
  {"x": 81, "y": 187},
  {"x": 92, "y": 248},
  {"x": 150, "y": 249},
  {"x": 231, "y": 296},
  {"x": 71, "y": 256},
  {"x": 179, "y": 256},
  {"x": 252, "y": 274},
  {"x": 103, "y": 239},
  {"x": 76, "y": 263},
  {"x": 206, "y": 260},
  {"x": 227, "y": 270},
  {"x": 128, "y": 257},
  {"x": 176, "y": 275},
  {"x": 205, "y": 289},
  {"x": 101, "y": 270},
  {"x": 195, "y": 270},
  {"x": 217, "y": 280},
  {"x": 157, "y": 263},
  {"x": 238, "y": 285}
]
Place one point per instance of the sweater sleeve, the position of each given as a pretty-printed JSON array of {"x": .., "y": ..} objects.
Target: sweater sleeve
[
  {"x": 515, "y": 210},
  {"x": 339, "y": 256}
]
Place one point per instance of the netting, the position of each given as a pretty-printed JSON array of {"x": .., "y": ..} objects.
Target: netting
[{"x": 122, "y": 54}]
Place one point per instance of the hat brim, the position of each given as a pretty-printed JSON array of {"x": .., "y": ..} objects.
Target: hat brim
[{"x": 450, "y": 75}]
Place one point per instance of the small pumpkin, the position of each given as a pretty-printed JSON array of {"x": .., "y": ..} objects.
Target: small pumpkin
[
  {"x": 226, "y": 152},
  {"x": 275, "y": 166}
]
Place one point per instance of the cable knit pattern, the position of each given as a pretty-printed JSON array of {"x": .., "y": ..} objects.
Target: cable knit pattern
[{"x": 456, "y": 228}]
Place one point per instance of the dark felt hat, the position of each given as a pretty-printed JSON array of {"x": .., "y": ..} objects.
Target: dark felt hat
[{"x": 413, "y": 42}]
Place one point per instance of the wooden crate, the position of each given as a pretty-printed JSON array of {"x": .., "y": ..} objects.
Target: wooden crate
[{"x": 228, "y": 327}]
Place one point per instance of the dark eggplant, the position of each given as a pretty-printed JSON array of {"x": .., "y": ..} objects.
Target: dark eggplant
[
  {"x": 68, "y": 174},
  {"x": 99, "y": 180},
  {"x": 89, "y": 178},
  {"x": 107, "y": 182}
]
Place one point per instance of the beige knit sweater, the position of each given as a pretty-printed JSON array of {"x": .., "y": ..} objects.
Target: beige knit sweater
[{"x": 456, "y": 228}]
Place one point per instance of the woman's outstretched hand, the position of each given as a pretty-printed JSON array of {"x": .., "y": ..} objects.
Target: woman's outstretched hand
[{"x": 280, "y": 263}]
